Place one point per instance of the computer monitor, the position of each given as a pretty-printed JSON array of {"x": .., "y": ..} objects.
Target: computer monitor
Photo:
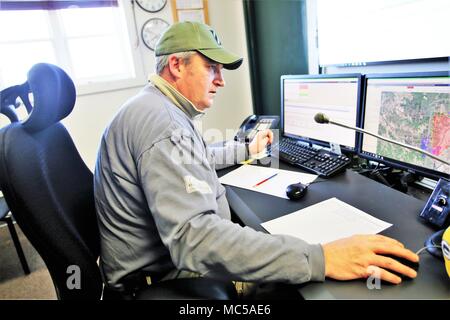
[
  {"x": 411, "y": 108},
  {"x": 337, "y": 96}
]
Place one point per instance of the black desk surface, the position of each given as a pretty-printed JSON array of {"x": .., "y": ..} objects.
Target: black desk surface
[{"x": 378, "y": 200}]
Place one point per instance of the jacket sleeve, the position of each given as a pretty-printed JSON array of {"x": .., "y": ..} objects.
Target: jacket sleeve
[
  {"x": 228, "y": 155},
  {"x": 182, "y": 192}
]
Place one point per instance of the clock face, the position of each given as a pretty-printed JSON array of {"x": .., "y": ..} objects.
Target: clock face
[
  {"x": 151, "y": 5},
  {"x": 152, "y": 30}
]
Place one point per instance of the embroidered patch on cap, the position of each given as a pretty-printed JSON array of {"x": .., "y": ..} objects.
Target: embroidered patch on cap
[{"x": 194, "y": 185}]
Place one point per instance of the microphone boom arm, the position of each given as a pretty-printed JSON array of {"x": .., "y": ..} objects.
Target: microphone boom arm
[{"x": 391, "y": 141}]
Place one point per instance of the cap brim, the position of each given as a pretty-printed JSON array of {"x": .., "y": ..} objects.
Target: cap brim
[{"x": 230, "y": 61}]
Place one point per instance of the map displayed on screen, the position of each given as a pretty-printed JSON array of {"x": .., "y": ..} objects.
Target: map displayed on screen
[{"x": 420, "y": 119}]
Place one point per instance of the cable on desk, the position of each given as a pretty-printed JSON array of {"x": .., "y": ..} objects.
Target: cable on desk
[
  {"x": 318, "y": 180},
  {"x": 426, "y": 247}
]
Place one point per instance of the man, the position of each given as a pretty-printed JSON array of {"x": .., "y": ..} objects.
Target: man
[{"x": 161, "y": 208}]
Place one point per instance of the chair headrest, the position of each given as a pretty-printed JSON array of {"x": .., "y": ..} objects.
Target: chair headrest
[{"x": 54, "y": 96}]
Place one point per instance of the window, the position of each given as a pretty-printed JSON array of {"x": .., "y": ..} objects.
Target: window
[{"x": 91, "y": 44}]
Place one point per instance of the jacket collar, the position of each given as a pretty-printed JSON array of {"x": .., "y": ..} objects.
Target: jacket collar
[{"x": 175, "y": 96}]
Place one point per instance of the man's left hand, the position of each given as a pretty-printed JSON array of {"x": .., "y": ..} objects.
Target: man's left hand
[{"x": 260, "y": 141}]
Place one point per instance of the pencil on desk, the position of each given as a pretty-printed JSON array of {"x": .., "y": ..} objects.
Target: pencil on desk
[{"x": 261, "y": 182}]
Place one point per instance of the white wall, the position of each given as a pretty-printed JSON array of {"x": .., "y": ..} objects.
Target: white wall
[
  {"x": 233, "y": 103},
  {"x": 89, "y": 118}
]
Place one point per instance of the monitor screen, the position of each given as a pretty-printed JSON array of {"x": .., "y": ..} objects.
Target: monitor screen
[
  {"x": 413, "y": 109},
  {"x": 337, "y": 96}
]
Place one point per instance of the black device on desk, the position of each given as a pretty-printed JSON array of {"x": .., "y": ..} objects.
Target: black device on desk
[
  {"x": 405, "y": 262},
  {"x": 296, "y": 191},
  {"x": 437, "y": 208},
  {"x": 252, "y": 124},
  {"x": 303, "y": 141}
]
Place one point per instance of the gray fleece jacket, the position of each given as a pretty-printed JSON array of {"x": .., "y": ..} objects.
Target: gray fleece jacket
[{"x": 160, "y": 205}]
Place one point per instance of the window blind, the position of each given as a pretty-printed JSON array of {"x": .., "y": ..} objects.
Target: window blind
[{"x": 55, "y": 4}]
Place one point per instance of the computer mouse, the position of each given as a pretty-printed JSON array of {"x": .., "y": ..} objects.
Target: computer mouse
[
  {"x": 406, "y": 262},
  {"x": 296, "y": 191}
]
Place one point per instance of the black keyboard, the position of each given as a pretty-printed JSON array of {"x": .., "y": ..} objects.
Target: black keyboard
[{"x": 318, "y": 161}]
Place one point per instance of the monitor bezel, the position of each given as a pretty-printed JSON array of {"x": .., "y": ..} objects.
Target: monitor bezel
[
  {"x": 322, "y": 143},
  {"x": 408, "y": 167}
]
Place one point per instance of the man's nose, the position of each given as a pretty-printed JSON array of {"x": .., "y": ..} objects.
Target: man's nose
[{"x": 219, "y": 80}]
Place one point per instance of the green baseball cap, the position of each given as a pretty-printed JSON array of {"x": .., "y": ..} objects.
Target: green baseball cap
[{"x": 196, "y": 36}]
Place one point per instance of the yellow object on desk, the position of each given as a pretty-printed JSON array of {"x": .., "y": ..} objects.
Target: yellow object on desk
[
  {"x": 248, "y": 161},
  {"x": 258, "y": 156}
]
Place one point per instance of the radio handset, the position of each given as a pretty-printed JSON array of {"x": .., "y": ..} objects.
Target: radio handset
[
  {"x": 246, "y": 125},
  {"x": 252, "y": 124}
]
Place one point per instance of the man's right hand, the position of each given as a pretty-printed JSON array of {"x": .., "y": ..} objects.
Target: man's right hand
[
  {"x": 361, "y": 255},
  {"x": 260, "y": 141}
]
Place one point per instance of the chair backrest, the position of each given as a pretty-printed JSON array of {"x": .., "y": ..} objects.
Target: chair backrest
[{"x": 48, "y": 187}]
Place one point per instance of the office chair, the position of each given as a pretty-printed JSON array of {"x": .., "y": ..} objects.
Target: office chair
[
  {"x": 9, "y": 101},
  {"x": 6, "y": 216},
  {"x": 8, "y": 109},
  {"x": 50, "y": 192}
]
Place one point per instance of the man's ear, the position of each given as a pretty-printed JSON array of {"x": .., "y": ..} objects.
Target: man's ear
[{"x": 175, "y": 66}]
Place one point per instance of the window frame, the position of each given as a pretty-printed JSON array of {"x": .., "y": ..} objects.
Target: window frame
[{"x": 98, "y": 85}]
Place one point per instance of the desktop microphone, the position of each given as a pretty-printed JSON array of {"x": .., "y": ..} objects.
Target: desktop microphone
[{"x": 323, "y": 118}]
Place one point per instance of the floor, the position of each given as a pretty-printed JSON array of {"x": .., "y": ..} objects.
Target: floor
[{"x": 14, "y": 284}]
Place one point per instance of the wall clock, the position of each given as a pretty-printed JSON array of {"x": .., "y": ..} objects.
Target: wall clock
[
  {"x": 151, "y": 5},
  {"x": 152, "y": 30}
]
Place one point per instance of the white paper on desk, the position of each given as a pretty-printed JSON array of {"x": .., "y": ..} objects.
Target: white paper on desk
[
  {"x": 247, "y": 176},
  {"x": 326, "y": 221}
]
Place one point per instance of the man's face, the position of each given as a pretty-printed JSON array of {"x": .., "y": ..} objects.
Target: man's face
[{"x": 199, "y": 80}]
